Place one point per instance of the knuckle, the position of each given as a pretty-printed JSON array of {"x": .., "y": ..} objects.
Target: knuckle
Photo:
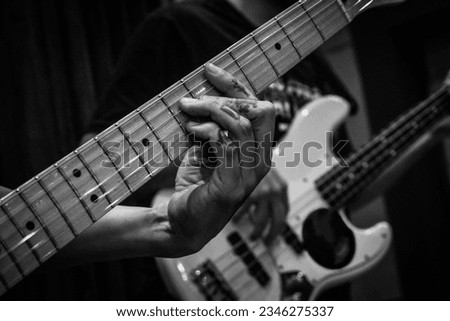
[
  {"x": 245, "y": 126},
  {"x": 216, "y": 104},
  {"x": 267, "y": 109}
]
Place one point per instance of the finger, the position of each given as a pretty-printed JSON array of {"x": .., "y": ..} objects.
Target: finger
[
  {"x": 189, "y": 172},
  {"x": 260, "y": 219},
  {"x": 226, "y": 83},
  {"x": 262, "y": 117},
  {"x": 206, "y": 131},
  {"x": 239, "y": 127}
]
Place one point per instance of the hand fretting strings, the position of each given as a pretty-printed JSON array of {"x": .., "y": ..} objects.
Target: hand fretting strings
[
  {"x": 419, "y": 115},
  {"x": 110, "y": 130},
  {"x": 161, "y": 153}
]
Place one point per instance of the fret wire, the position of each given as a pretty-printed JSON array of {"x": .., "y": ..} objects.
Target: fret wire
[
  {"x": 134, "y": 148},
  {"x": 372, "y": 152},
  {"x": 157, "y": 137},
  {"x": 434, "y": 117},
  {"x": 16, "y": 261},
  {"x": 188, "y": 90},
  {"x": 3, "y": 280},
  {"x": 50, "y": 196},
  {"x": 311, "y": 19},
  {"x": 83, "y": 203},
  {"x": 240, "y": 68},
  {"x": 94, "y": 176},
  {"x": 265, "y": 54},
  {"x": 342, "y": 197},
  {"x": 199, "y": 70},
  {"x": 153, "y": 130},
  {"x": 115, "y": 166},
  {"x": 27, "y": 241},
  {"x": 406, "y": 118},
  {"x": 147, "y": 106},
  {"x": 289, "y": 38},
  {"x": 39, "y": 219},
  {"x": 297, "y": 28},
  {"x": 162, "y": 98},
  {"x": 266, "y": 39},
  {"x": 335, "y": 19},
  {"x": 385, "y": 132},
  {"x": 83, "y": 161},
  {"x": 196, "y": 73},
  {"x": 9, "y": 251},
  {"x": 143, "y": 180},
  {"x": 344, "y": 10},
  {"x": 150, "y": 175},
  {"x": 401, "y": 134}
]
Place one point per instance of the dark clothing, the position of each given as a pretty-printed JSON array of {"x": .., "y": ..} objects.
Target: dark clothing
[{"x": 175, "y": 40}]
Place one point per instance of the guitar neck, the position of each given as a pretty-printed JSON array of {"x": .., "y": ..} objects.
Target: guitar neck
[
  {"x": 347, "y": 180},
  {"x": 50, "y": 210}
]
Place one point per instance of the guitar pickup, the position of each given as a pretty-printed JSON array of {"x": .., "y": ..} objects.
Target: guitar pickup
[
  {"x": 254, "y": 267},
  {"x": 211, "y": 283},
  {"x": 291, "y": 239}
]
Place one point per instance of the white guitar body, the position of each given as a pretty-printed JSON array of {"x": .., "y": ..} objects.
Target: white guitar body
[{"x": 321, "y": 261}]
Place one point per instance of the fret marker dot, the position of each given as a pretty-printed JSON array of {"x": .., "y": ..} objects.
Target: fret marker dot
[
  {"x": 76, "y": 172},
  {"x": 94, "y": 198},
  {"x": 145, "y": 142},
  {"x": 30, "y": 226},
  {"x": 277, "y": 46}
]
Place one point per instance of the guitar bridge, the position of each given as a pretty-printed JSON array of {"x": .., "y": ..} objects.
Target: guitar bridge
[{"x": 211, "y": 283}]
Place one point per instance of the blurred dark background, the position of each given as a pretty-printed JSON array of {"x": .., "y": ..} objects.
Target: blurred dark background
[{"x": 56, "y": 58}]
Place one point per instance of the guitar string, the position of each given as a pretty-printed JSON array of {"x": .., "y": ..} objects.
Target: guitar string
[
  {"x": 138, "y": 156},
  {"x": 171, "y": 118},
  {"x": 342, "y": 174},
  {"x": 285, "y": 34},
  {"x": 294, "y": 226},
  {"x": 166, "y": 110},
  {"x": 162, "y": 152},
  {"x": 327, "y": 178},
  {"x": 338, "y": 196},
  {"x": 400, "y": 133},
  {"x": 441, "y": 98}
]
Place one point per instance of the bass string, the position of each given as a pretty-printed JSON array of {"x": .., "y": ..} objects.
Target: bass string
[{"x": 250, "y": 61}]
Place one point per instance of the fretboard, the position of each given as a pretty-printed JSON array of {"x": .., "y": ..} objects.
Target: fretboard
[
  {"x": 50, "y": 210},
  {"x": 348, "y": 179}
]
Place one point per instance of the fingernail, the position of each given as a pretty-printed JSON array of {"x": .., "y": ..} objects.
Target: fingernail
[
  {"x": 187, "y": 100},
  {"x": 191, "y": 124},
  {"x": 216, "y": 71}
]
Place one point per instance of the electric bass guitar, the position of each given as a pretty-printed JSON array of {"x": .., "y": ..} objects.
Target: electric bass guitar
[
  {"x": 47, "y": 212},
  {"x": 319, "y": 246}
]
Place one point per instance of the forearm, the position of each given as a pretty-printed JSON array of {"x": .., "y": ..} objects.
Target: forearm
[{"x": 124, "y": 232}]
